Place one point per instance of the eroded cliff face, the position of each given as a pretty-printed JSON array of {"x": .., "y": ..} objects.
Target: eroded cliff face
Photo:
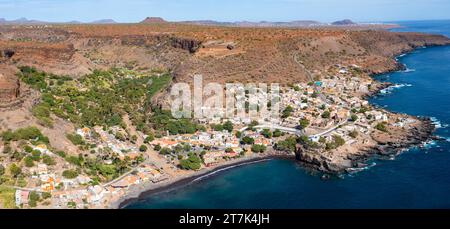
[
  {"x": 257, "y": 54},
  {"x": 9, "y": 88}
]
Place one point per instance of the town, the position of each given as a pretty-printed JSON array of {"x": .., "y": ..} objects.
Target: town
[{"x": 110, "y": 161}]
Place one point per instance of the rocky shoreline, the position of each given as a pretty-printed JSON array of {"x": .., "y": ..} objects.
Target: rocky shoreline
[{"x": 414, "y": 137}]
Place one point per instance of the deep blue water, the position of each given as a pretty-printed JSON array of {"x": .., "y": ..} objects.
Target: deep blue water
[{"x": 419, "y": 178}]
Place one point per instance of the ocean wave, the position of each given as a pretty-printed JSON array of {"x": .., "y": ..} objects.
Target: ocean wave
[
  {"x": 389, "y": 89},
  {"x": 407, "y": 70},
  {"x": 437, "y": 123}
]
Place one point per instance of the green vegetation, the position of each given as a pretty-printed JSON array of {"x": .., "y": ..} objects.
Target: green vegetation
[
  {"x": 163, "y": 121},
  {"x": 354, "y": 134},
  {"x": 326, "y": 114},
  {"x": 34, "y": 198},
  {"x": 48, "y": 160},
  {"x": 7, "y": 197},
  {"x": 100, "y": 98},
  {"x": 277, "y": 133},
  {"x": 288, "y": 145},
  {"x": 267, "y": 133},
  {"x": 336, "y": 143},
  {"x": 304, "y": 123},
  {"x": 143, "y": 148},
  {"x": 29, "y": 162},
  {"x": 259, "y": 148},
  {"x": 287, "y": 112},
  {"x": 76, "y": 139},
  {"x": 15, "y": 170},
  {"x": 353, "y": 118},
  {"x": 248, "y": 140},
  {"x": 381, "y": 127},
  {"x": 193, "y": 162},
  {"x": 28, "y": 133},
  {"x": 70, "y": 174}
]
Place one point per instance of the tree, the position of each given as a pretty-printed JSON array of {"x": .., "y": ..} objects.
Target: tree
[
  {"x": 29, "y": 162},
  {"x": 304, "y": 123},
  {"x": 277, "y": 133},
  {"x": 157, "y": 148},
  {"x": 15, "y": 170},
  {"x": 248, "y": 140},
  {"x": 228, "y": 125},
  {"x": 354, "y": 118},
  {"x": 143, "y": 148},
  {"x": 287, "y": 112},
  {"x": 267, "y": 133},
  {"x": 238, "y": 134},
  {"x": 149, "y": 139},
  {"x": 326, "y": 114},
  {"x": 70, "y": 174}
]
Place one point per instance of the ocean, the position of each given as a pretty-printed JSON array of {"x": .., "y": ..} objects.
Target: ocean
[{"x": 418, "y": 178}]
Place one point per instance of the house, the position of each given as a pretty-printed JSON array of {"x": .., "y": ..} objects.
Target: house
[
  {"x": 84, "y": 132},
  {"x": 21, "y": 197}
]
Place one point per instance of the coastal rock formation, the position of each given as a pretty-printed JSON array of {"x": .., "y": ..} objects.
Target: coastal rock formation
[{"x": 386, "y": 145}]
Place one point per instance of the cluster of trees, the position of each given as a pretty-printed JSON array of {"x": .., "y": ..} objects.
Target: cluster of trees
[
  {"x": 193, "y": 162},
  {"x": 259, "y": 148},
  {"x": 228, "y": 126},
  {"x": 100, "y": 98},
  {"x": 162, "y": 121},
  {"x": 287, "y": 145}
]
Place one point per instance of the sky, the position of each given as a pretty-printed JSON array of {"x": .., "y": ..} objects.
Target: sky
[{"x": 226, "y": 10}]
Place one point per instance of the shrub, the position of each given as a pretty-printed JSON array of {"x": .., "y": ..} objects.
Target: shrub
[
  {"x": 326, "y": 114},
  {"x": 70, "y": 174},
  {"x": 48, "y": 160},
  {"x": 29, "y": 162},
  {"x": 76, "y": 139},
  {"x": 304, "y": 123},
  {"x": 381, "y": 127},
  {"x": 143, "y": 148},
  {"x": 15, "y": 170}
]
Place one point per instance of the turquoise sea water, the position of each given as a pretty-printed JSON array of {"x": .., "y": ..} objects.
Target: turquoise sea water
[{"x": 419, "y": 178}]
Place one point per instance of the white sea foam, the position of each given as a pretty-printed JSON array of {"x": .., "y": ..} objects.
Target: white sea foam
[
  {"x": 389, "y": 89},
  {"x": 438, "y": 124},
  {"x": 408, "y": 70}
]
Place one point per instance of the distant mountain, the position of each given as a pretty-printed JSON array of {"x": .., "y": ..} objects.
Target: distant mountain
[
  {"x": 154, "y": 20},
  {"x": 344, "y": 22},
  {"x": 255, "y": 24},
  {"x": 21, "y": 21},
  {"x": 104, "y": 21}
]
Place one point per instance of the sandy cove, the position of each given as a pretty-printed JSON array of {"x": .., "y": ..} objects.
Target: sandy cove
[{"x": 140, "y": 191}]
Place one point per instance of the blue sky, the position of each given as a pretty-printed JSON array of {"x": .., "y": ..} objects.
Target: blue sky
[{"x": 226, "y": 10}]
